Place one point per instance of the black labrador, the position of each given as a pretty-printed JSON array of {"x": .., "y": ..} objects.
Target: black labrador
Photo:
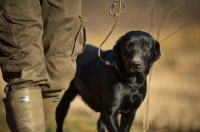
[{"x": 113, "y": 90}]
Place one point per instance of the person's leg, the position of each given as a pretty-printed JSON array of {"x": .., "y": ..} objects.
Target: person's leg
[
  {"x": 63, "y": 40},
  {"x": 22, "y": 63}
]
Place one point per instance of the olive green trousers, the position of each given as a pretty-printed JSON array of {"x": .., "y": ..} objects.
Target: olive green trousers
[{"x": 39, "y": 43}]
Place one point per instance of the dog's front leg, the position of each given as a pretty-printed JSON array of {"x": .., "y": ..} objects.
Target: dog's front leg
[
  {"x": 127, "y": 118},
  {"x": 113, "y": 101},
  {"x": 111, "y": 122},
  {"x": 126, "y": 121}
]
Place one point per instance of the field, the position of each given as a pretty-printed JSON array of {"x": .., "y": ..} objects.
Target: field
[{"x": 174, "y": 103}]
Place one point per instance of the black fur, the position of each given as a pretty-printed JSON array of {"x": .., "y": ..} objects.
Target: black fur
[{"x": 108, "y": 90}]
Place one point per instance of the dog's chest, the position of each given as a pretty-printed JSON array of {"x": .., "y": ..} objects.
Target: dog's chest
[{"x": 133, "y": 102}]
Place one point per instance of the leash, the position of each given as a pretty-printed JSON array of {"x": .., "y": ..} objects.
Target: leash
[{"x": 120, "y": 2}]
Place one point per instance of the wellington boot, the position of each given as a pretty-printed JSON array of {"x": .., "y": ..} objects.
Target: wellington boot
[
  {"x": 50, "y": 104},
  {"x": 24, "y": 110}
]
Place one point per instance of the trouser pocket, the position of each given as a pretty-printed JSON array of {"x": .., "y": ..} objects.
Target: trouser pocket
[{"x": 80, "y": 39}]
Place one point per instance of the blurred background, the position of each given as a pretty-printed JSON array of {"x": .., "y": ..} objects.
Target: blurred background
[{"x": 174, "y": 100}]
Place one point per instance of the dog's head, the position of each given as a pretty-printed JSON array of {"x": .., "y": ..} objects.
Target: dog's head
[{"x": 137, "y": 50}]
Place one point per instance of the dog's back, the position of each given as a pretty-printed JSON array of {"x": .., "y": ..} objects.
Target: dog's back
[
  {"x": 91, "y": 76},
  {"x": 89, "y": 54}
]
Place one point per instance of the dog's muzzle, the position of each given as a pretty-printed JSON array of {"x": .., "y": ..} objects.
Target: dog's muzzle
[{"x": 134, "y": 65}]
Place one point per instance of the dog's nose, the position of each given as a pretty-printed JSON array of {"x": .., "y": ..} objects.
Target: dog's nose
[{"x": 136, "y": 64}]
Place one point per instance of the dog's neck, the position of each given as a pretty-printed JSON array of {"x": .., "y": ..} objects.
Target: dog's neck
[{"x": 134, "y": 80}]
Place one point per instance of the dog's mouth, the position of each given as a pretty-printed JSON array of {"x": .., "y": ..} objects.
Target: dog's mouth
[{"x": 133, "y": 69}]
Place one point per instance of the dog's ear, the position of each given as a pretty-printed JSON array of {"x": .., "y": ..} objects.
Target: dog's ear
[
  {"x": 157, "y": 53},
  {"x": 117, "y": 51},
  {"x": 116, "y": 47}
]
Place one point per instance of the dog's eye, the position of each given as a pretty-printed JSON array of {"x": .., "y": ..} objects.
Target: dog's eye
[
  {"x": 128, "y": 47},
  {"x": 146, "y": 47}
]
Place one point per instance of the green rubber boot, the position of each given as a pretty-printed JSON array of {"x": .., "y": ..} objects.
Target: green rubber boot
[
  {"x": 50, "y": 104},
  {"x": 24, "y": 110}
]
